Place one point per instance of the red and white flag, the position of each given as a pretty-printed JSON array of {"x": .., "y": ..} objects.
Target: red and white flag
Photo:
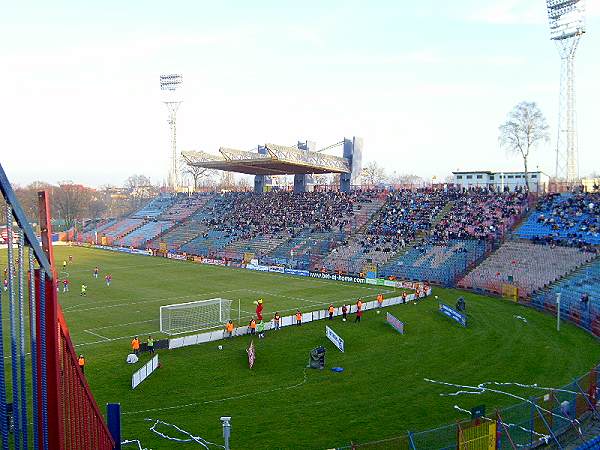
[{"x": 251, "y": 354}]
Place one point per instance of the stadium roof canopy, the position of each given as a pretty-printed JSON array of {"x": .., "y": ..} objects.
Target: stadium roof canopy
[{"x": 278, "y": 160}]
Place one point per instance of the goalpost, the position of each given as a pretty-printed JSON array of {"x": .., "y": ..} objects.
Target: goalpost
[{"x": 188, "y": 317}]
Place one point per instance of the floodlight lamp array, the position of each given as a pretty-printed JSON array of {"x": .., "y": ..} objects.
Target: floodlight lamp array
[
  {"x": 170, "y": 82},
  {"x": 566, "y": 18}
]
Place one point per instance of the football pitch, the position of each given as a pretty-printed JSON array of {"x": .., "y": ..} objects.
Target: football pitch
[{"x": 279, "y": 404}]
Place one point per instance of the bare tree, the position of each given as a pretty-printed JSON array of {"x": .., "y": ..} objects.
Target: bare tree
[
  {"x": 140, "y": 189},
  {"x": 524, "y": 129},
  {"x": 406, "y": 180},
  {"x": 71, "y": 202},
  {"x": 197, "y": 174},
  {"x": 373, "y": 174}
]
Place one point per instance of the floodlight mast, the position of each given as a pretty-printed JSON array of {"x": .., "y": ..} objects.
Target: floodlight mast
[
  {"x": 170, "y": 83},
  {"x": 566, "y": 19}
]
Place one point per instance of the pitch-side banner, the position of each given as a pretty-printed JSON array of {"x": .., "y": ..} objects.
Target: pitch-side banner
[
  {"x": 397, "y": 324},
  {"x": 337, "y": 341},
  {"x": 453, "y": 314}
]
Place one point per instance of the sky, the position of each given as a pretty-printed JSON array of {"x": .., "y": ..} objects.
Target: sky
[{"x": 425, "y": 84}]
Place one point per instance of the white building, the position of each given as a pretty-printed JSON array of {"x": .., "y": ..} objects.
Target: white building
[{"x": 501, "y": 180}]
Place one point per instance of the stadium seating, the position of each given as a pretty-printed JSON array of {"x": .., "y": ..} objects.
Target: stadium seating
[
  {"x": 531, "y": 266},
  {"x": 97, "y": 228},
  {"x": 208, "y": 244},
  {"x": 566, "y": 219},
  {"x": 436, "y": 263},
  {"x": 184, "y": 207},
  {"x": 121, "y": 228},
  {"x": 155, "y": 207},
  {"x": 139, "y": 236},
  {"x": 585, "y": 281}
]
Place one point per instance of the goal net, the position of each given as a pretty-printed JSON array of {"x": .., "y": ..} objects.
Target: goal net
[{"x": 194, "y": 316}]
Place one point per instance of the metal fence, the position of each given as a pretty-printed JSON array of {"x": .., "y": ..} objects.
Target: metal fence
[
  {"x": 45, "y": 403},
  {"x": 553, "y": 419}
]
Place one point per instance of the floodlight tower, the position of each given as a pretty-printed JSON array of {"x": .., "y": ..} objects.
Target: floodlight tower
[
  {"x": 567, "y": 24},
  {"x": 169, "y": 84}
]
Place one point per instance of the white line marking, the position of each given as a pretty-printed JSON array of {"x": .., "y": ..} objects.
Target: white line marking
[{"x": 96, "y": 334}]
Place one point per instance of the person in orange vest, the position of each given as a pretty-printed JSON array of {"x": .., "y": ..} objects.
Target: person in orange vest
[
  {"x": 379, "y": 300},
  {"x": 81, "y": 362},
  {"x": 277, "y": 321},
  {"x": 298, "y": 317},
  {"x": 135, "y": 345},
  {"x": 330, "y": 311},
  {"x": 252, "y": 326},
  {"x": 229, "y": 329}
]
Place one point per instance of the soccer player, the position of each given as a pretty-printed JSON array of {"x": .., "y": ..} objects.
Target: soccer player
[
  {"x": 379, "y": 300},
  {"x": 252, "y": 326},
  {"x": 70, "y": 259},
  {"x": 344, "y": 313},
  {"x": 108, "y": 279},
  {"x": 229, "y": 329},
  {"x": 65, "y": 283},
  {"x": 277, "y": 321},
  {"x": 135, "y": 345},
  {"x": 150, "y": 344},
  {"x": 96, "y": 272},
  {"x": 404, "y": 297},
  {"x": 259, "y": 309},
  {"x": 81, "y": 362},
  {"x": 330, "y": 310},
  {"x": 83, "y": 290},
  {"x": 6, "y": 284},
  {"x": 298, "y": 317},
  {"x": 64, "y": 264}
]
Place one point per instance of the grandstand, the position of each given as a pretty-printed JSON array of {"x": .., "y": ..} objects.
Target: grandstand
[
  {"x": 583, "y": 283},
  {"x": 139, "y": 236},
  {"x": 569, "y": 219},
  {"x": 436, "y": 263},
  {"x": 155, "y": 207},
  {"x": 520, "y": 263}
]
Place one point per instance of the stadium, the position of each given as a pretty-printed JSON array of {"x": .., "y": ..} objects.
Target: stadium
[{"x": 300, "y": 297}]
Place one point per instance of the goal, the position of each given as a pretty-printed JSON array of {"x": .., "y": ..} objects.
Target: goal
[{"x": 182, "y": 318}]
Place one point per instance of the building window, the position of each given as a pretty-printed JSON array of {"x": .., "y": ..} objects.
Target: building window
[
  {"x": 469, "y": 177},
  {"x": 533, "y": 175},
  {"x": 517, "y": 176},
  {"x": 479, "y": 177},
  {"x": 459, "y": 177},
  {"x": 510, "y": 177},
  {"x": 491, "y": 177}
]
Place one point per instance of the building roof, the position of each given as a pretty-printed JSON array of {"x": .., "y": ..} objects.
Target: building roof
[{"x": 278, "y": 160}]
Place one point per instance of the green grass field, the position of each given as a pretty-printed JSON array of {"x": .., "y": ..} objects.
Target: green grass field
[{"x": 280, "y": 404}]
